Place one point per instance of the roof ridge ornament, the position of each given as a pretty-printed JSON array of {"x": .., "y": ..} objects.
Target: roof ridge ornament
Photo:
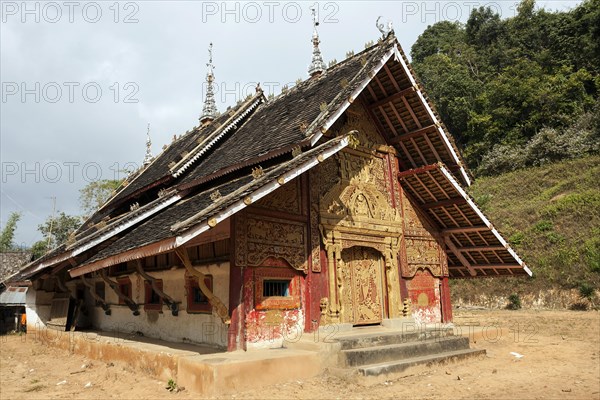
[
  {"x": 385, "y": 29},
  {"x": 209, "y": 111},
  {"x": 148, "y": 157},
  {"x": 317, "y": 65}
]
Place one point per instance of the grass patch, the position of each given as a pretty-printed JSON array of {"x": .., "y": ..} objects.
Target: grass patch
[{"x": 551, "y": 215}]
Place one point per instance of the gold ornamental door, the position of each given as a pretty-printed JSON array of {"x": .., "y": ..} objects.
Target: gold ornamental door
[{"x": 362, "y": 296}]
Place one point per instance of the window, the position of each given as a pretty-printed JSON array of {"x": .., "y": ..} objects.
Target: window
[
  {"x": 280, "y": 288},
  {"x": 152, "y": 300},
  {"x": 196, "y": 300},
  {"x": 277, "y": 289},
  {"x": 100, "y": 292},
  {"x": 125, "y": 288}
]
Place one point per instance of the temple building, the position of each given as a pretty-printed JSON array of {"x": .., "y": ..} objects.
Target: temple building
[{"x": 341, "y": 201}]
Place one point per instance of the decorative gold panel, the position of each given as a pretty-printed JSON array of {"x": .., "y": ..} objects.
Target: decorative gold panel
[
  {"x": 362, "y": 300},
  {"x": 422, "y": 252},
  {"x": 265, "y": 237},
  {"x": 286, "y": 198},
  {"x": 358, "y": 119}
]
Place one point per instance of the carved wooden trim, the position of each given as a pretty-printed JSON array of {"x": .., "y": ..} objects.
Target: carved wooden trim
[
  {"x": 133, "y": 306},
  {"x": 95, "y": 295},
  {"x": 172, "y": 304},
  {"x": 272, "y": 237},
  {"x": 214, "y": 301}
]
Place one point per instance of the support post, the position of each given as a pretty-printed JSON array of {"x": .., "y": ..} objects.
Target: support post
[
  {"x": 99, "y": 299},
  {"x": 133, "y": 306},
  {"x": 172, "y": 304},
  {"x": 214, "y": 301}
]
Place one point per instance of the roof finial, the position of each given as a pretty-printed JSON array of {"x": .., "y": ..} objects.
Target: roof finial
[
  {"x": 385, "y": 30},
  {"x": 317, "y": 66},
  {"x": 209, "y": 111},
  {"x": 148, "y": 157}
]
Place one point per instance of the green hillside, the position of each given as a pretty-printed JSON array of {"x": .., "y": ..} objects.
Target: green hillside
[
  {"x": 551, "y": 216},
  {"x": 519, "y": 91}
]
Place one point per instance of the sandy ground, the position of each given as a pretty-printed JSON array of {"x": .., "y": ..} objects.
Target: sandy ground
[{"x": 560, "y": 359}]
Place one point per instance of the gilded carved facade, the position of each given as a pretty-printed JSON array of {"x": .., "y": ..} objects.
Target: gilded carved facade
[
  {"x": 260, "y": 238},
  {"x": 421, "y": 247},
  {"x": 355, "y": 210},
  {"x": 361, "y": 229}
]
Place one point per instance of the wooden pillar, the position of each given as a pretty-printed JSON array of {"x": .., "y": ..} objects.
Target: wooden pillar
[
  {"x": 236, "y": 331},
  {"x": 445, "y": 301}
]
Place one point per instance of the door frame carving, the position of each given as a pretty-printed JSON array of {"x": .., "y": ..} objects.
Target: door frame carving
[{"x": 335, "y": 242}]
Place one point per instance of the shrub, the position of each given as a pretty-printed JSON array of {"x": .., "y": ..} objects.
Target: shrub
[
  {"x": 586, "y": 291},
  {"x": 543, "y": 226},
  {"x": 592, "y": 251},
  {"x": 579, "y": 306},
  {"x": 514, "y": 302},
  {"x": 516, "y": 238},
  {"x": 546, "y": 146}
]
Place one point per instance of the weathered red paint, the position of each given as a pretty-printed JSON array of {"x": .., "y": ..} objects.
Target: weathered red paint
[
  {"x": 270, "y": 320},
  {"x": 425, "y": 297},
  {"x": 446, "y": 302}
]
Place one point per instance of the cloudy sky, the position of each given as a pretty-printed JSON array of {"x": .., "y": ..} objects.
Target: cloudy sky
[{"x": 81, "y": 80}]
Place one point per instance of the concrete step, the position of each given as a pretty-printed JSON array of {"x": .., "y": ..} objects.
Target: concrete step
[
  {"x": 402, "y": 351},
  {"x": 358, "y": 341},
  {"x": 392, "y": 367}
]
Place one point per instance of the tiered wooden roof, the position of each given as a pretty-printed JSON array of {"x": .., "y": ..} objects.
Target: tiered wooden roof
[
  {"x": 475, "y": 248},
  {"x": 172, "y": 200}
]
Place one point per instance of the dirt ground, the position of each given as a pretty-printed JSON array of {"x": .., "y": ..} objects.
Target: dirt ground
[{"x": 560, "y": 359}]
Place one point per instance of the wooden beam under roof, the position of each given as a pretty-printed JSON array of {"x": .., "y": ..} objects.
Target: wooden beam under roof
[
  {"x": 459, "y": 255},
  {"x": 474, "y": 228},
  {"x": 399, "y": 118},
  {"x": 418, "y": 170},
  {"x": 507, "y": 267},
  {"x": 391, "y": 76},
  {"x": 390, "y": 125},
  {"x": 407, "y": 154},
  {"x": 482, "y": 248},
  {"x": 391, "y": 98},
  {"x": 444, "y": 203},
  {"x": 412, "y": 113}
]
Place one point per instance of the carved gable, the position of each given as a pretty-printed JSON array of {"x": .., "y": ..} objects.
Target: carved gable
[
  {"x": 286, "y": 199},
  {"x": 360, "y": 199},
  {"x": 358, "y": 119}
]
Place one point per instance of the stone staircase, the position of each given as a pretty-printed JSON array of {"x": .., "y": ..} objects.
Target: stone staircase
[{"x": 383, "y": 353}]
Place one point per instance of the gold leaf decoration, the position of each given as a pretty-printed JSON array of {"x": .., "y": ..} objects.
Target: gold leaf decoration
[
  {"x": 257, "y": 172},
  {"x": 216, "y": 195}
]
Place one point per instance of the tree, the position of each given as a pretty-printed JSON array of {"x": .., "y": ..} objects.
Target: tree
[
  {"x": 59, "y": 228},
  {"x": 8, "y": 233},
  {"x": 56, "y": 231},
  {"x": 497, "y": 83},
  {"x": 443, "y": 37},
  {"x": 39, "y": 248},
  {"x": 95, "y": 194}
]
